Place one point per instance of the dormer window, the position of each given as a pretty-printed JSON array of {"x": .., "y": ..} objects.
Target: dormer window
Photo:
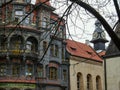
[{"x": 73, "y": 48}]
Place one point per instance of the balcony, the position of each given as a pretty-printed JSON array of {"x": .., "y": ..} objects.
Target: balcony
[{"x": 18, "y": 52}]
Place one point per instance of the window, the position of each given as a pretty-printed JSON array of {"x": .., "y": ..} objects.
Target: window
[
  {"x": 53, "y": 73},
  {"x": 79, "y": 81},
  {"x": 89, "y": 82},
  {"x": 63, "y": 55},
  {"x": 15, "y": 69},
  {"x": 18, "y": 12},
  {"x": 40, "y": 71},
  {"x": 19, "y": 15},
  {"x": 3, "y": 69},
  {"x": 3, "y": 43},
  {"x": 98, "y": 83},
  {"x": 28, "y": 46},
  {"x": 44, "y": 22},
  {"x": 44, "y": 46},
  {"x": 29, "y": 70},
  {"x": 27, "y": 20},
  {"x": 52, "y": 50},
  {"x": 17, "y": 45},
  {"x": 65, "y": 75},
  {"x": 56, "y": 50}
]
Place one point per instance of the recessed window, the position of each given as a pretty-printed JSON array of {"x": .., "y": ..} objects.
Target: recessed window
[
  {"x": 40, "y": 71},
  {"x": 44, "y": 45},
  {"x": 44, "y": 22},
  {"x": 52, "y": 73},
  {"x": 3, "y": 69},
  {"x": 18, "y": 12},
  {"x": 98, "y": 83},
  {"x": 29, "y": 46},
  {"x": 63, "y": 55},
  {"x": 65, "y": 75},
  {"x": 18, "y": 15},
  {"x": 79, "y": 81},
  {"x": 15, "y": 69},
  {"x": 52, "y": 50},
  {"x": 56, "y": 50},
  {"x": 89, "y": 82},
  {"x": 29, "y": 70}
]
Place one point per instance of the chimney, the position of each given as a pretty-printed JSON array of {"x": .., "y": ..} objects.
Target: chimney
[{"x": 87, "y": 42}]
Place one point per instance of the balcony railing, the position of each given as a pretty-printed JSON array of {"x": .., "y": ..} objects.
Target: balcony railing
[{"x": 19, "y": 52}]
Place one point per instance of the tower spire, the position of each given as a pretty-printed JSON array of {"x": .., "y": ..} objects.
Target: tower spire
[{"x": 99, "y": 37}]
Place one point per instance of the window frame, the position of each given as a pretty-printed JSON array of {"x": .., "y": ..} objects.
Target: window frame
[
  {"x": 4, "y": 71},
  {"x": 15, "y": 69},
  {"x": 53, "y": 73}
]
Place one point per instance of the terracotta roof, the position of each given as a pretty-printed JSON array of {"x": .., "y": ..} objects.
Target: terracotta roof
[
  {"x": 102, "y": 53},
  {"x": 82, "y": 50},
  {"x": 47, "y": 3}
]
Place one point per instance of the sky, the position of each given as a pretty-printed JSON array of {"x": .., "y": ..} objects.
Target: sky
[{"x": 82, "y": 25}]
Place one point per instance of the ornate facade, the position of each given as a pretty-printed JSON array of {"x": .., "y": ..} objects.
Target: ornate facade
[{"x": 32, "y": 57}]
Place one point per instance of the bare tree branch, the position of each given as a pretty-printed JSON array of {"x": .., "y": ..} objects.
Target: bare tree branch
[
  {"x": 107, "y": 27},
  {"x": 6, "y": 3}
]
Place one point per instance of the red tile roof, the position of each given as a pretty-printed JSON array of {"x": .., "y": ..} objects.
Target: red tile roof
[
  {"x": 82, "y": 50},
  {"x": 102, "y": 53},
  {"x": 42, "y": 1}
]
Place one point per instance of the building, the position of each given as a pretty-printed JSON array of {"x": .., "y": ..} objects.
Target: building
[
  {"x": 112, "y": 64},
  {"x": 32, "y": 47},
  {"x": 86, "y": 67}
]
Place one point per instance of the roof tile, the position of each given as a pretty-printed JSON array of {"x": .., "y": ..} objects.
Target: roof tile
[{"x": 82, "y": 50}]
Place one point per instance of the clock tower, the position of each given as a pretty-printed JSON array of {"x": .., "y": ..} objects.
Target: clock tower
[{"x": 99, "y": 37}]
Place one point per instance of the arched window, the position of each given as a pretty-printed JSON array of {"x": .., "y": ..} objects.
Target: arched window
[
  {"x": 98, "y": 83},
  {"x": 79, "y": 81},
  {"x": 16, "y": 42},
  {"x": 53, "y": 73},
  {"x": 89, "y": 82},
  {"x": 31, "y": 45}
]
